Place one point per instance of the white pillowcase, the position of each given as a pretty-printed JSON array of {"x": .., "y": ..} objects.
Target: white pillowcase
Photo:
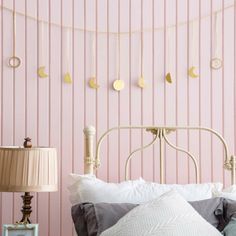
[
  {"x": 167, "y": 215},
  {"x": 229, "y": 193},
  {"x": 87, "y": 188}
]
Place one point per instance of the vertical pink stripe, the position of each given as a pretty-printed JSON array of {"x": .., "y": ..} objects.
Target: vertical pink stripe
[
  {"x": 199, "y": 51},
  {"x": 223, "y": 77},
  {"x": 85, "y": 58},
  {"x": 153, "y": 84},
  {"x": 165, "y": 80},
  {"x": 188, "y": 85},
  {"x": 26, "y": 68},
  {"x": 211, "y": 86},
  {"x": 108, "y": 104},
  {"x": 14, "y": 106},
  {"x": 73, "y": 85},
  {"x": 177, "y": 89},
  {"x": 2, "y": 59},
  {"x": 61, "y": 120},
  {"x": 37, "y": 214},
  {"x": 1, "y": 212},
  {"x": 142, "y": 89},
  {"x": 119, "y": 113},
  {"x": 96, "y": 62},
  {"x": 130, "y": 82},
  {"x": 234, "y": 76},
  {"x": 49, "y": 105},
  {"x": 14, "y": 85}
]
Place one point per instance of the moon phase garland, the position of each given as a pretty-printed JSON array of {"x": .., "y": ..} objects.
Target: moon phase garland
[{"x": 215, "y": 63}]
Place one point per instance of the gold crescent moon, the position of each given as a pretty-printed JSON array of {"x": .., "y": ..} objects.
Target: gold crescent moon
[
  {"x": 191, "y": 72},
  {"x": 168, "y": 78},
  {"x": 92, "y": 83},
  {"x": 118, "y": 84},
  {"x": 41, "y": 72},
  {"x": 141, "y": 82},
  {"x": 67, "y": 78}
]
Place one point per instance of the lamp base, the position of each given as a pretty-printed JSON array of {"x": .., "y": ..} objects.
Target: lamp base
[{"x": 26, "y": 208}]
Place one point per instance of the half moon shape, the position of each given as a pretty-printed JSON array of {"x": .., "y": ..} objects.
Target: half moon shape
[
  {"x": 93, "y": 84},
  {"x": 191, "y": 72},
  {"x": 41, "y": 72}
]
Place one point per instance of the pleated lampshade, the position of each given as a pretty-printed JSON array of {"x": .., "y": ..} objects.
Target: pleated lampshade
[{"x": 28, "y": 169}]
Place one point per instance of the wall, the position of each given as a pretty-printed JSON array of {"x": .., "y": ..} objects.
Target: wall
[{"x": 54, "y": 113}]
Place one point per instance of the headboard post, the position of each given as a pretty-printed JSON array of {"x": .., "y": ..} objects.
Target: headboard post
[
  {"x": 233, "y": 165},
  {"x": 89, "y": 133}
]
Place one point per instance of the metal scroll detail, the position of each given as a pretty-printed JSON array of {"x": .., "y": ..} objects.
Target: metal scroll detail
[
  {"x": 161, "y": 134},
  {"x": 186, "y": 152},
  {"x": 137, "y": 150}
]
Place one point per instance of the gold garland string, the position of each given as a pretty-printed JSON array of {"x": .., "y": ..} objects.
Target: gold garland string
[{"x": 115, "y": 33}]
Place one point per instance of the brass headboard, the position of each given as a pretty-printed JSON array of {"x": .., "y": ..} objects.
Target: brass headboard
[{"x": 159, "y": 133}]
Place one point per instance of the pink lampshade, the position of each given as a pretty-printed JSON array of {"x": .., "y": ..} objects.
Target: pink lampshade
[{"x": 28, "y": 169}]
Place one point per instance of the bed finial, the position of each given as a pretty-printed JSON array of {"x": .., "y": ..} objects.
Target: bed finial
[
  {"x": 233, "y": 166},
  {"x": 89, "y": 133}
]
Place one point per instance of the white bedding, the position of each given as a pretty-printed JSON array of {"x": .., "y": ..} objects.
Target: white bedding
[
  {"x": 88, "y": 188},
  {"x": 168, "y": 215}
]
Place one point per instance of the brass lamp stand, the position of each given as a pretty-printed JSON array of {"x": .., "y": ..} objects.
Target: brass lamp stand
[{"x": 26, "y": 208}]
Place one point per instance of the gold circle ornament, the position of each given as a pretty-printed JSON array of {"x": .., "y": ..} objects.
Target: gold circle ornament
[
  {"x": 141, "y": 82},
  {"x": 14, "y": 62},
  {"x": 216, "y": 63},
  {"x": 118, "y": 84}
]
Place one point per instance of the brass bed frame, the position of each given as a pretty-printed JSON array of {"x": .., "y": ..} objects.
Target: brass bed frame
[{"x": 159, "y": 133}]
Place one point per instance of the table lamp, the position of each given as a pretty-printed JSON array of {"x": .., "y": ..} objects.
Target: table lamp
[{"x": 28, "y": 169}]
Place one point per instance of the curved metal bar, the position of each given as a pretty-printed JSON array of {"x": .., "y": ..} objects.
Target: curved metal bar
[
  {"x": 137, "y": 150},
  {"x": 97, "y": 156},
  {"x": 186, "y": 152},
  {"x": 227, "y": 163}
]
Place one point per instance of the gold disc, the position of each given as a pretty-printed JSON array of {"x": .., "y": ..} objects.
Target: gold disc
[{"x": 118, "y": 84}]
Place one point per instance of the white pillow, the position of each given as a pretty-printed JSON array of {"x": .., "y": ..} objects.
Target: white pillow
[
  {"x": 167, "y": 215},
  {"x": 87, "y": 188},
  {"x": 229, "y": 193}
]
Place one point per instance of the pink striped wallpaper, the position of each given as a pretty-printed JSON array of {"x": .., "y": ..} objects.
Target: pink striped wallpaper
[{"x": 54, "y": 113}]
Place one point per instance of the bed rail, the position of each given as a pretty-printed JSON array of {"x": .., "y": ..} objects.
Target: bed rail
[{"x": 159, "y": 133}]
